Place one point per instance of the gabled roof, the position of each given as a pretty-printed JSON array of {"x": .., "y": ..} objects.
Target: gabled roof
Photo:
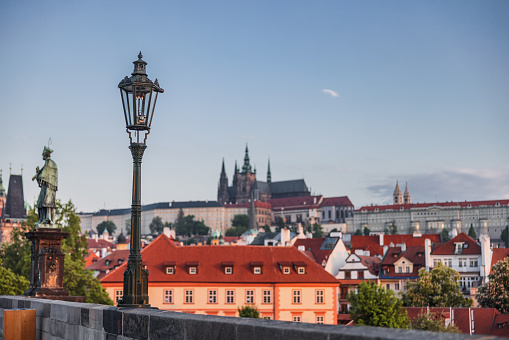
[
  {"x": 296, "y": 203},
  {"x": 336, "y": 201},
  {"x": 448, "y": 248},
  {"x": 100, "y": 243},
  {"x": 210, "y": 260},
  {"x": 110, "y": 262},
  {"x": 498, "y": 255},
  {"x": 372, "y": 262},
  {"x": 260, "y": 239},
  {"x": 314, "y": 245},
  {"x": 372, "y": 242},
  {"x": 395, "y": 254},
  {"x": 15, "y": 204},
  {"x": 466, "y": 204}
]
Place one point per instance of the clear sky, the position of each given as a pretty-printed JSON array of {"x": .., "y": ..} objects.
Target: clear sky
[{"x": 349, "y": 95}]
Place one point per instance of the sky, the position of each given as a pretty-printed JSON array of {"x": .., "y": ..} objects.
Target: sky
[{"x": 352, "y": 96}]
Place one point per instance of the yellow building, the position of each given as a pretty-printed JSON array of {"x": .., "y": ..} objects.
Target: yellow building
[{"x": 281, "y": 282}]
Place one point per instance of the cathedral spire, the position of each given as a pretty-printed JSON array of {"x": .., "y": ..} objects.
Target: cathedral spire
[
  {"x": 246, "y": 167},
  {"x": 223, "y": 171},
  {"x": 269, "y": 176}
]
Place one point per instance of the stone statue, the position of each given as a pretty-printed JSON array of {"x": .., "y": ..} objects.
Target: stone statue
[{"x": 47, "y": 178}]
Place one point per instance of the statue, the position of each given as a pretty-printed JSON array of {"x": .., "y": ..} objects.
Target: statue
[{"x": 47, "y": 178}]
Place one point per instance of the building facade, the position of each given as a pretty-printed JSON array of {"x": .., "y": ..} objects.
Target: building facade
[{"x": 12, "y": 207}]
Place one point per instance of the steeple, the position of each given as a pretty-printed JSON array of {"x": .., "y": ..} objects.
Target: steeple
[
  {"x": 397, "y": 197},
  {"x": 269, "y": 176},
  {"x": 222, "y": 190},
  {"x": 406, "y": 198},
  {"x": 223, "y": 171},
  {"x": 246, "y": 167},
  {"x": 252, "y": 212}
]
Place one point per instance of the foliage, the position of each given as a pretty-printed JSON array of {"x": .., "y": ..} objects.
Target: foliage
[
  {"x": 393, "y": 228},
  {"x": 235, "y": 231},
  {"x": 127, "y": 224},
  {"x": 444, "y": 236},
  {"x": 187, "y": 226},
  {"x": 317, "y": 230},
  {"x": 440, "y": 287},
  {"x": 109, "y": 226},
  {"x": 366, "y": 231},
  {"x": 495, "y": 293},
  {"x": 372, "y": 305},
  {"x": 471, "y": 232},
  {"x": 249, "y": 311},
  {"x": 280, "y": 223},
  {"x": 433, "y": 322},
  {"x": 12, "y": 283},
  {"x": 358, "y": 232},
  {"x": 266, "y": 228},
  {"x": 156, "y": 226},
  {"x": 504, "y": 236},
  {"x": 240, "y": 220}
]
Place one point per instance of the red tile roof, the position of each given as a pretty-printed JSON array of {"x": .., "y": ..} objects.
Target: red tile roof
[
  {"x": 394, "y": 254},
  {"x": 258, "y": 204},
  {"x": 498, "y": 255},
  {"x": 449, "y": 247},
  {"x": 296, "y": 203},
  {"x": 466, "y": 204},
  {"x": 211, "y": 269},
  {"x": 110, "y": 262},
  {"x": 336, "y": 201},
  {"x": 91, "y": 258},
  {"x": 500, "y": 325},
  {"x": 372, "y": 242},
  {"x": 313, "y": 246},
  {"x": 100, "y": 243},
  {"x": 372, "y": 262}
]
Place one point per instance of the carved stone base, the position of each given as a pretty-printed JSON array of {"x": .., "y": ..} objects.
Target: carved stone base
[{"x": 47, "y": 265}]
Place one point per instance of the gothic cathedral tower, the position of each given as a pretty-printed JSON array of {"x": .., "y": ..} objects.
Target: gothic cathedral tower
[
  {"x": 222, "y": 191},
  {"x": 397, "y": 197}
]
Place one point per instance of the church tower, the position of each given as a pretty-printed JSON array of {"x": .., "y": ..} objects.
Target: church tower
[
  {"x": 397, "y": 197},
  {"x": 245, "y": 180},
  {"x": 222, "y": 191},
  {"x": 269, "y": 175},
  {"x": 406, "y": 196}
]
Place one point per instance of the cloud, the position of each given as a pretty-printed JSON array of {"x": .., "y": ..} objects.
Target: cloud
[
  {"x": 450, "y": 184},
  {"x": 331, "y": 92}
]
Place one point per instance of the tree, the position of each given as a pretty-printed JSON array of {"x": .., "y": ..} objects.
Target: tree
[
  {"x": 495, "y": 293},
  {"x": 240, "y": 220},
  {"x": 12, "y": 283},
  {"x": 393, "y": 228},
  {"x": 187, "y": 226},
  {"x": 358, "y": 232},
  {"x": 504, "y": 236},
  {"x": 372, "y": 305},
  {"x": 266, "y": 228},
  {"x": 471, "y": 232},
  {"x": 433, "y": 322},
  {"x": 249, "y": 312},
  {"x": 156, "y": 226},
  {"x": 127, "y": 224},
  {"x": 109, "y": 226},
  {"x": 317, "y": 230},
  {"x": 280, "y": 223},
  {"x": 444, "y": 235},
  {"x": 366, "y": 231},
  {"x": 440, "y": 287}
]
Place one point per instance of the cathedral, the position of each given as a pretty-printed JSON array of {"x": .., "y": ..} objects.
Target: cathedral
[{"x": 244, "y": 180}]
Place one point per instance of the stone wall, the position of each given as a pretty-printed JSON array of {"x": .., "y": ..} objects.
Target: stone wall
[{"x": 83, "y": 321}]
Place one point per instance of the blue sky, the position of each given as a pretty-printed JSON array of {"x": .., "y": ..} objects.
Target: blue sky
[{"x": 349, "y": 95}]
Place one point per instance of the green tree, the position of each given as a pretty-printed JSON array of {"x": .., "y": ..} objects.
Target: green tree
[
  {"x": 249, "y": 311},
  {"x": 393, "y": 228},
  {"x": 433, "y": 322},
  {"x": 317, "y": 230},
  {"x": 440, "y": 287},
  {"x": 127, "y": 224},
  {"x": 266, "y": 228},
  {"x": 109, "y": 226},
  {"x": 187, "y": 226},
  {"x": 471, "y": 232},
  {"x": 358, "y": 232},
  {"x": 156, "y": 226},
  {"x": 495, "y": 293},
  {"x": 280, "y": 223},
  {"x": 12, "y": 283},
  {"x": 240, "y": 220},
  {"x": 366, "y": 231},
  {"x": 504, "y": 236},
  {"x": 444, "y": 235},
  {"x": 372, "y": 305}
]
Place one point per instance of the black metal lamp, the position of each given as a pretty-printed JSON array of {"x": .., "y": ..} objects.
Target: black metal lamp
[{"x": 139, "y": 97}]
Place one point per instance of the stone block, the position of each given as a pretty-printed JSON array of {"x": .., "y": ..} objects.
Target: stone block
[
  {"x": 59, "y": 311},
  {"x": 74, "y": 315},
  {"x": 44, "y": 325},
  {"x": 6, "y": 302},
  {"x": 58, "y": 328},
  {"x": 85, "y": 317},
  {"x": 42, "y": 307},
  {"x": 136, "y": 323},
  {"x": 95, "y": 317},
  {"x": 112, "y": 320}
]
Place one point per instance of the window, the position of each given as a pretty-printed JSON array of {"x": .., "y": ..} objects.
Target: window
[
  {"x": 257, "y": 270},
  {"x": 296, "y": 318},
  {"x": 296, "y": 296},
  {"x": 168, "y": 296},
  {"x": 473, "y": 263},
  {"x": 230, "y": 296},
  {"x": 286, "y": 270},
  {"x": 213, "y": 296},
  {"x": 267, "y": 296},
  {"x": 448, "y": 262},
  {"x": 319, "y": 296},
  {"x": 188, "y": 296},
  {"x": 400, "y": 270},
  {"x": 192, "y": 270},
  {"x": 407, "y": 269},
  {"x": 348, "y": 274},
  {"x": 388, "y": 286},
  {"x": 228, "y": 270},
  {"x": 319, "y": 319},
  {"x": 462, "y": 262},
  {"x": 301, "y": 270},
  {"x": 396, "y": 286},
  {"x": 118, "y": 295},
  {"x": 170, "y": 270},
  {"x": 249, "y": 296},
  {"x": 267, "y": 317},
  {"x": 360, "y": 274},
  {"x": 436, "y": 262}
]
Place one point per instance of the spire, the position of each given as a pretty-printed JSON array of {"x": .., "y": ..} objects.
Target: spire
[
  {"x": 406, "y": 198},
  {"x": 236, "y": 171},
  {"x": 397, "y": 197},
  {"x": 269, "y": 176},
  {"x": 252, "y": 212},
  {"x": 397, "y": 191},
  {"x": 246, "y": 167},
  {"x": 223, "y": 171}
]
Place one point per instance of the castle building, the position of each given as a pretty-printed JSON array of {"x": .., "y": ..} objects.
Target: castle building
[
  {"x": 244, "y": 181},
  {"x": 12, "y": 207}
]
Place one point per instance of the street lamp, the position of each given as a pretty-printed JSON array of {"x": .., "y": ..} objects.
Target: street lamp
[{"x": 139, "y": 96}]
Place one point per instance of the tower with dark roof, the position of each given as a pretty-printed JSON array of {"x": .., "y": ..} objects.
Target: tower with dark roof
[
  {"x": 269, "y": 175},
  {"x": 222, "y": 191},
  {"x": 406, "y": 197},
  {"x": 245, "y": 180},
  {"x": 13, "y": 213},
  {"x": 397, "y": 197}
]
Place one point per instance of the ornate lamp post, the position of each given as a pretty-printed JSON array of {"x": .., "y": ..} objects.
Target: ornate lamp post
[{"x": 139, "y": 96}]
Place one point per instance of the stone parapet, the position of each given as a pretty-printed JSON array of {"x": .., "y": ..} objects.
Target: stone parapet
[{"x": 84, "y": 321}]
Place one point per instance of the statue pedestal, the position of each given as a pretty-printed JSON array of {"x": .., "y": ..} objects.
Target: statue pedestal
[{"x": 47, "y": 265}]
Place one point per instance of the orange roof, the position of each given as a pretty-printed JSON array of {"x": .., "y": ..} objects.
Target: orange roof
[
  {"x": 372, "y": 242},
  {"x": 258, "y": 204},
  {"x": 313, "y": 246},
  {"x": 295, "y": 203},
  {"x": 210, "y": 262},
  {"x": 336, "y": 201},
  {"x": 100, "y": 243},
  {"x": 110, "y": 262},
  {"x": 500, "y": 325},
  {"x": 90, "y": 258},
  {"x": 498, "y": 255},
  {"x": 449, "y": 247},
  {"x": 466, "y": 204}
]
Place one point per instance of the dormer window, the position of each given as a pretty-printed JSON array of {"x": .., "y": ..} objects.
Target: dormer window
[
  {"x": 170, "y": 267},
  {"x": 192, "y": 270},
  {"x": 228, "y": 267},
  {"x": 228, "y": 270},
  {"x": 170, "y": 270},
  {"x": 458, "y": 248},
  {"x": 300, "y": 267},
  {"x": 107, "y": 262},
  {"x": 257, "y": 270},
  {"x": 192, "y": 267},
  {"x": 286, "y": 270},
  {"x": 301, "y": 270}
]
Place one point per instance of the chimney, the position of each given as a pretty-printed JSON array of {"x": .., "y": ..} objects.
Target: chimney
[
  {"x": 427, "y": 253},
  {"x": 385, "y": 250},
  {"x": 485, "y": 256},
  {"x": 285, "y": 236},
  {"x": 403, "y": 247},
  {"x": 169, "y": 233},
  {"x": 381, "y": 238}
]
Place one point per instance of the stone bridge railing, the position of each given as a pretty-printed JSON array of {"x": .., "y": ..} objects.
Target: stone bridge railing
[{"x": 57, "y": 320}]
